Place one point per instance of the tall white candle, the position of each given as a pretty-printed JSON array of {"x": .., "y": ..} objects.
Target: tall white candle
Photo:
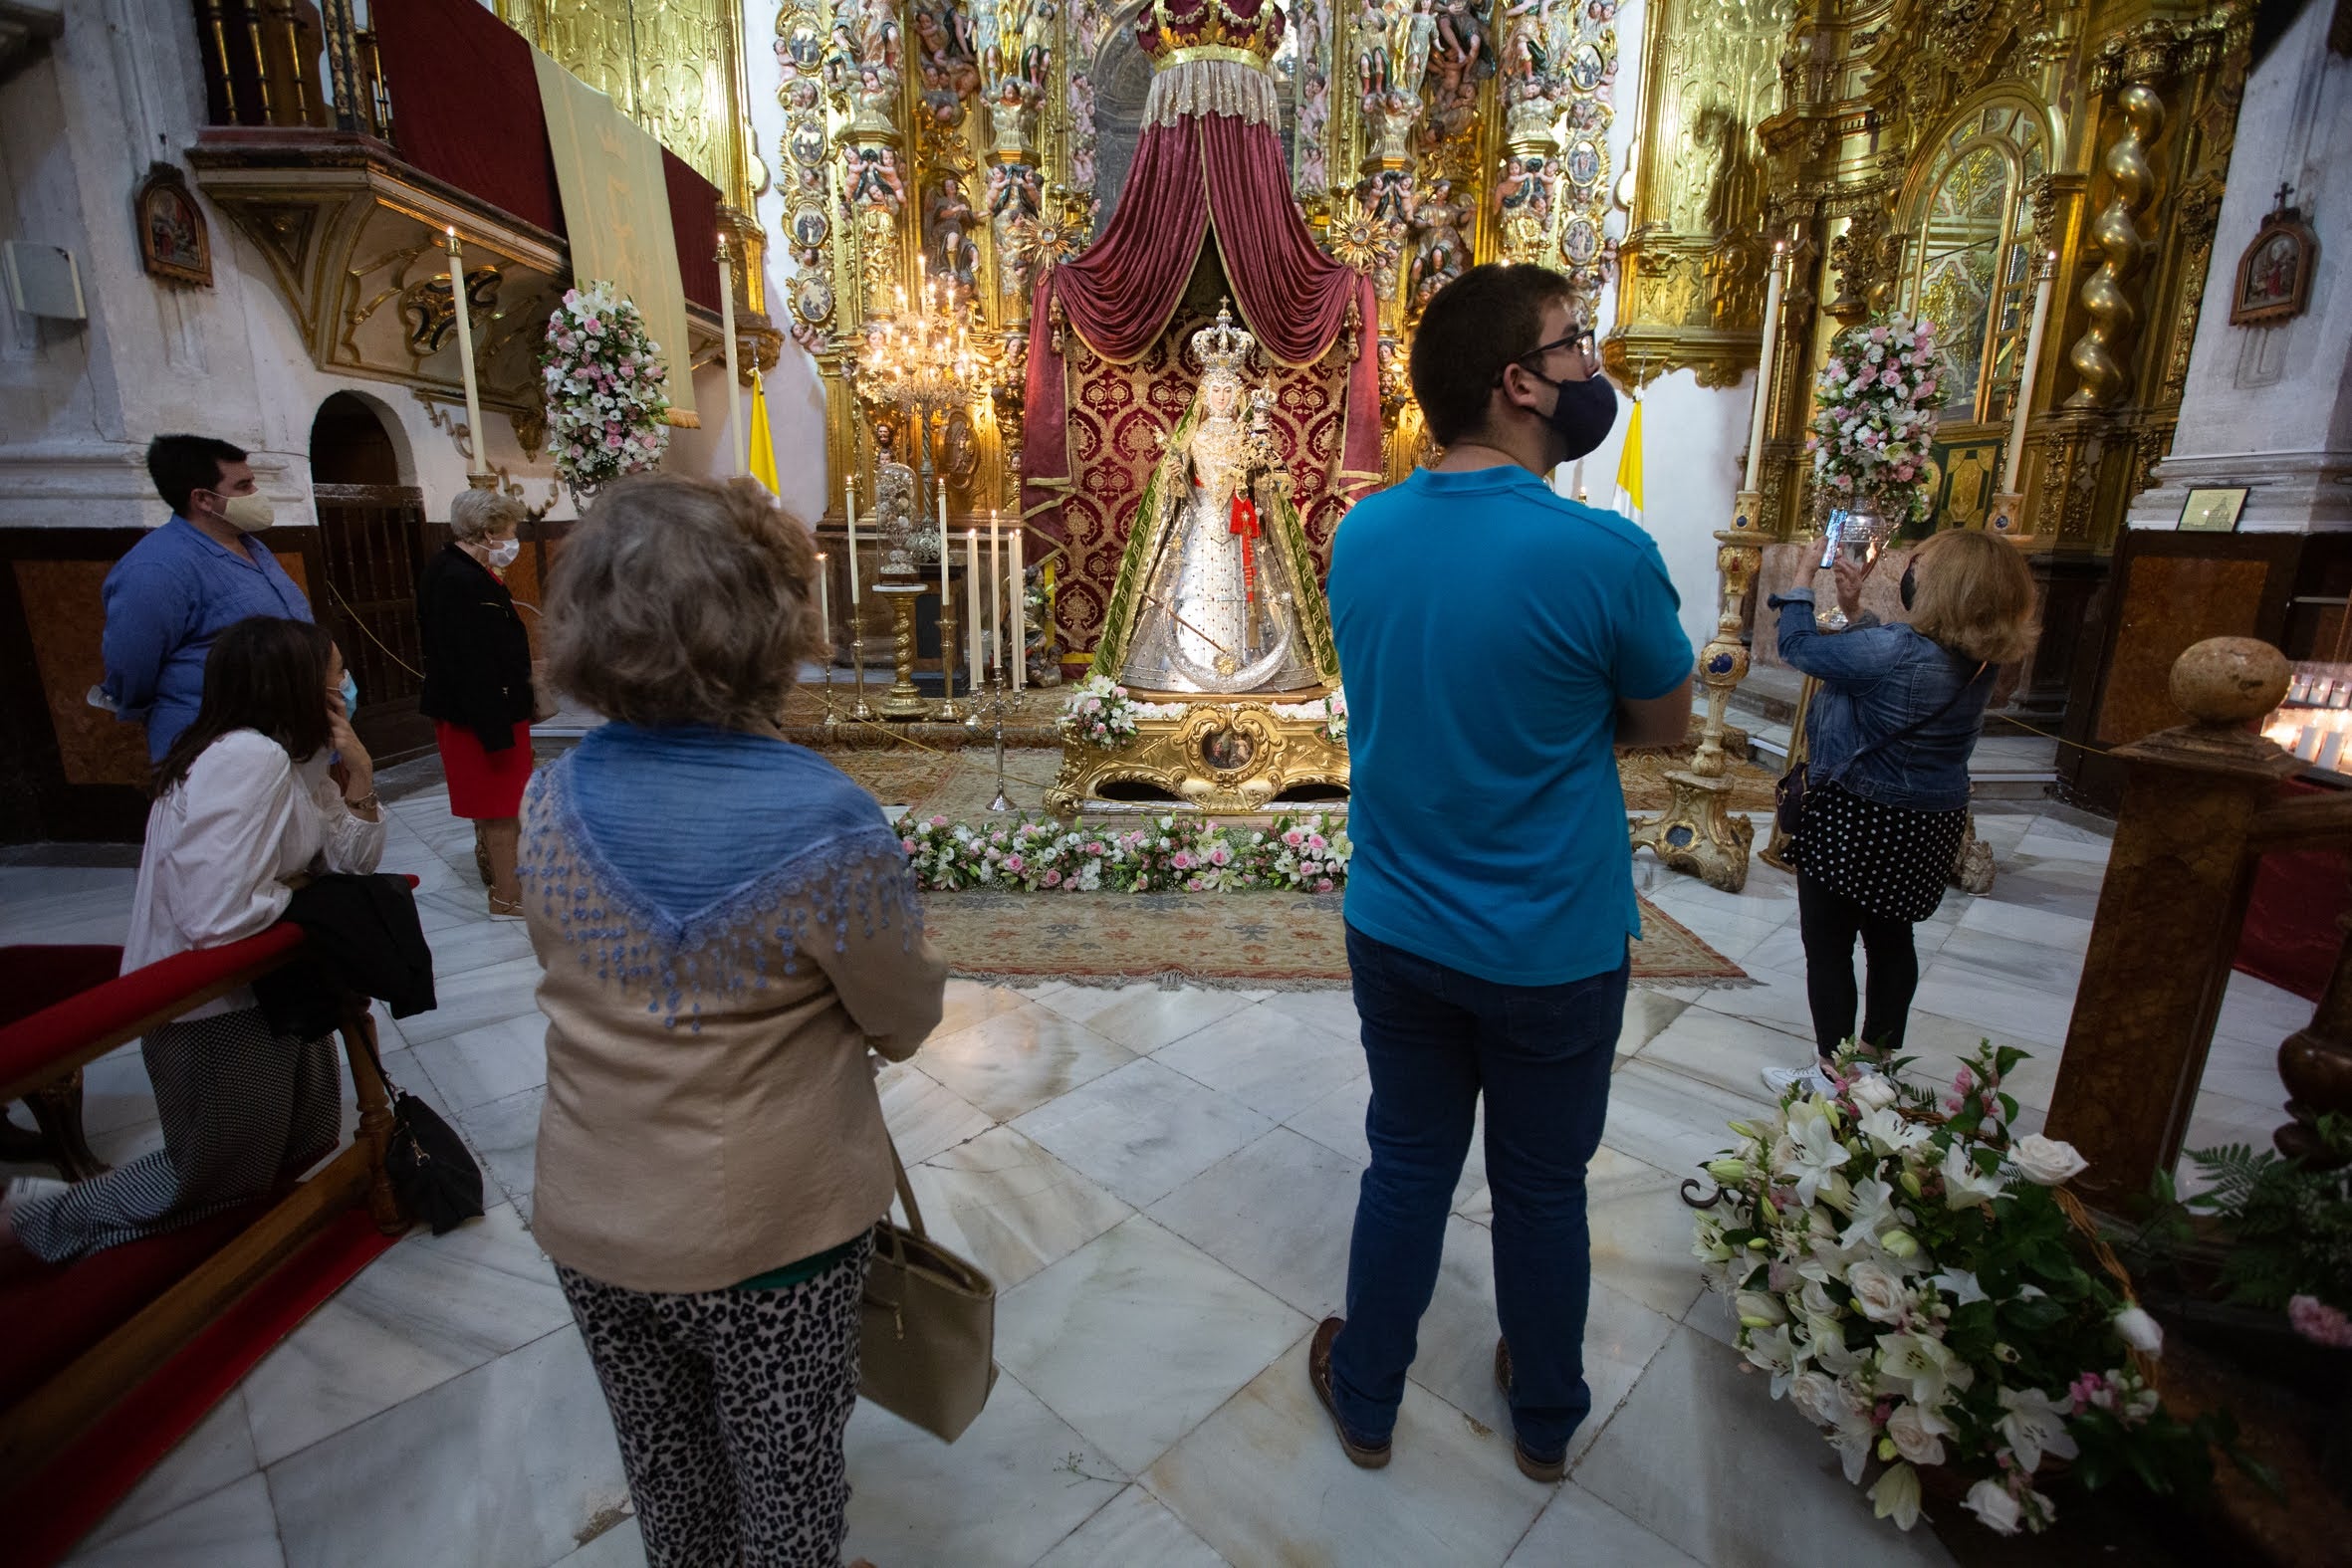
[
  {"x": 996, "y": 593},
  {"x": 1018, "y": 649},
  {"x": 465, "y": 356},
  {"x": 825, "y": 607},
  {"x": 849, "y": 511},
  {"x": 944, "y": 559},
  {"x": 2041, "y": 311},
  {"x": 972, "y": 601},
  {"x": 1763, "y": 363},
  {"x": 735, "y": 439}
]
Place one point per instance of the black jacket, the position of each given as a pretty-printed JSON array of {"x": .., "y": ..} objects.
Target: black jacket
[
  {"x": 364, "y": 937},
  {"x": 477, "y": 656}
]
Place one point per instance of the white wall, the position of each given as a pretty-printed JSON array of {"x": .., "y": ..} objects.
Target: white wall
[{"x": 2271, "y": 407}]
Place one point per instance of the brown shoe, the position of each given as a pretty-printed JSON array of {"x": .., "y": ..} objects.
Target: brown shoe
[
  {"x": 1544, "y": 1471},
  {"x": 1364, "y": 1456}
]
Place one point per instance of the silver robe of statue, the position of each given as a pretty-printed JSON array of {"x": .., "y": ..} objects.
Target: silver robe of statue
[{"x": 1209, "y": 619}]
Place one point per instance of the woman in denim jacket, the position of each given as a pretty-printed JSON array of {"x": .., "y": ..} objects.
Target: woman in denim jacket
[{"x": 1887, "y": 740}]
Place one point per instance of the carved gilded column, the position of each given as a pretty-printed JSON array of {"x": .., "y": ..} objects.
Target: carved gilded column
[{"x": 2101, "y": 357}]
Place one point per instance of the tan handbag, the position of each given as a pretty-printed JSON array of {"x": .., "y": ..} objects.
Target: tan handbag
[{"x": 928, "y": 1326}]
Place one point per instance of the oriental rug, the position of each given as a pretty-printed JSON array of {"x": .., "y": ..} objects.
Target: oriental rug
[{"x": 1233, "y": 941}]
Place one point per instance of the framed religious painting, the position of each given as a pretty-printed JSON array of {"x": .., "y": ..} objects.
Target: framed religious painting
[
  {"x": 2274, "y": 275},
  {"x": 174, "y": 241},
  {"x": 2212, "y": 511}
]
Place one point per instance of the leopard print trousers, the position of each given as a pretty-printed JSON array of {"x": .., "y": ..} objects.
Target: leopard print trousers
[{"x": 730, "y": 1406}]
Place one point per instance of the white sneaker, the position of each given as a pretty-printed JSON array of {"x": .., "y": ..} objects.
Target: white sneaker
[{"x": 1813, "y": 1079}]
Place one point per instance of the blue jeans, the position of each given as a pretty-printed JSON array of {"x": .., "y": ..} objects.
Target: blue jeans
[{"x": 1435, "y": 1038}]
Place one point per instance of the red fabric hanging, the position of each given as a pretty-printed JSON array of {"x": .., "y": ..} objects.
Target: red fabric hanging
[
  {"x": 1244, "y": 522},
  {"x": 1217, "y": 172}
]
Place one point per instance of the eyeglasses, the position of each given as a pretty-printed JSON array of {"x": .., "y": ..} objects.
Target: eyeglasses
[{"x": 1581, "y": 340}]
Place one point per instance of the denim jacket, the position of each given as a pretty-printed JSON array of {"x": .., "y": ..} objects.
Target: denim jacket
[{"x": 1876, "y": 679}]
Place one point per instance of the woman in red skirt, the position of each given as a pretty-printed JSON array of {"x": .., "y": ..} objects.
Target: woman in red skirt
[{"x": 477, "y": 682}]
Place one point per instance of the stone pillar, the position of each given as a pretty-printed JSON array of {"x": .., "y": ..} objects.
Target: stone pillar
[{"x": 2168, "y": 920}]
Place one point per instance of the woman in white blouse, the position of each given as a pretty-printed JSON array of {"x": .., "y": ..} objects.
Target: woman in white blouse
[{"x": 268, "y": 787}]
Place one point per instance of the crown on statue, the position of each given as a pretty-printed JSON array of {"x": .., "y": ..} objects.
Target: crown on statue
[
  {"x": 1172, "y": 32},
  {"x": 1224, "y": 348}
]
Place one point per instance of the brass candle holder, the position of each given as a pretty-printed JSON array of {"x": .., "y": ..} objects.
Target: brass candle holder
[
  {"x": 949, "y": 710},
  {"x": 904, "y": 700}
]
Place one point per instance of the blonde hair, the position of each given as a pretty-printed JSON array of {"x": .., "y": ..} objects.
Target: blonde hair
[
  {"x": 1973, "y": 595},
  {"x": 682, "y": 601},
  {"x": 475, "y": 513}
]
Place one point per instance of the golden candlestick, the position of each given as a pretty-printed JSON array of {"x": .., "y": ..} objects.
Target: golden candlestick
[{"x": 904, "y": 700}]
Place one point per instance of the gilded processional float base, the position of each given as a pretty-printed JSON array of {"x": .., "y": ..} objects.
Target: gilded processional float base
[{"x": 1213, "y": 755}]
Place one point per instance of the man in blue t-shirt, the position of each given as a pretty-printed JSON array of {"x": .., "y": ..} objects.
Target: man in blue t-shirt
[{"x": 1499, "y": 643}]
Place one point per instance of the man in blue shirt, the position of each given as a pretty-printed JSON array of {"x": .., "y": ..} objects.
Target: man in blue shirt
[
  {"x": 182, "y": 585},
  {"x": 1499, "y": 643}
]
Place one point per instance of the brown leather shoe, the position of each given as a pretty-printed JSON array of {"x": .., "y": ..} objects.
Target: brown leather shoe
[
  {"x": 1533, "y": 1469},
  {"x": 1364, "y": 1456}
]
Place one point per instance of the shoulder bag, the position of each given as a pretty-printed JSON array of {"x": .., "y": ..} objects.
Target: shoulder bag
[
  {"x": 1788, "y": 794},
  {"x": 927, "y": 1326}
]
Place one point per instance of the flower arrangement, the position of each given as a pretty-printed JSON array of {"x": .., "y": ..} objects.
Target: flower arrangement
[
  {"x": 1299, "y": 855},
  {"x": 1100, "y": 712},
  {"x": 1918, "y": 1284},
  {"x": 604, "y": 381},
  {"x": 1333, "y": 729},
  {"x": 1874, "y": 417},
  {"x": 2289, "y": 1226}
]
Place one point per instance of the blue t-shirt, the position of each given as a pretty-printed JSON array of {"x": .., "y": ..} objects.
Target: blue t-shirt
[{"x": 1488, "y": 629}]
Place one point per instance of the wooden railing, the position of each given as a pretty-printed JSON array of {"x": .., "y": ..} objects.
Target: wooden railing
[
  {"x": 2200, "y": 806},
  {"x": 293, "y": 64}
]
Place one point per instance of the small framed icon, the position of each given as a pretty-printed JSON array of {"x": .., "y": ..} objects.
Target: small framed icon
[{"x": 2212, "y": 511}]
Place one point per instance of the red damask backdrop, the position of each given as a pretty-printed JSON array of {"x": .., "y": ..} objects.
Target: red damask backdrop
[{"x": 1117, "y": 412}]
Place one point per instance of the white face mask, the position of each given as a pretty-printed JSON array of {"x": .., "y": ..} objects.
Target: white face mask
[
  {"x": 503, "y": 553},
  {"x": 247, "y": 514}
]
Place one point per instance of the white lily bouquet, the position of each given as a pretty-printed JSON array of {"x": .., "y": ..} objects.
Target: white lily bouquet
[{"x": 1919, "y": 1283}]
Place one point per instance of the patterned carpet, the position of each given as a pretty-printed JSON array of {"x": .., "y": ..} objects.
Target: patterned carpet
[{"x": 1244, "y": 941}]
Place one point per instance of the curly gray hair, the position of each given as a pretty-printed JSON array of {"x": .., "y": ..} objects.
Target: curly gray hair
[{"x": 476, "y": 513}]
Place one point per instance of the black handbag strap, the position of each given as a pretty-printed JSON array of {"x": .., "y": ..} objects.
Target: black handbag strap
[{"x": 1918, "y": 725}]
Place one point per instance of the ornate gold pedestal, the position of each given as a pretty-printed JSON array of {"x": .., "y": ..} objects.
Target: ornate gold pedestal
[
  {"x": 1698, "y": 832},
  {"x": 904, "y": 700},
  {"x": 1218, "y": 755}
]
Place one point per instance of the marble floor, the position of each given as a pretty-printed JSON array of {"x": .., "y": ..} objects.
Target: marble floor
[{"x": 1161, "y": 1184}]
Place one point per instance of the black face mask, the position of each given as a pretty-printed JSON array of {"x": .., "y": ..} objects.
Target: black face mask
[
  {"x": 1582, "y": 413},
  {"x": 1909, "y": 587}
]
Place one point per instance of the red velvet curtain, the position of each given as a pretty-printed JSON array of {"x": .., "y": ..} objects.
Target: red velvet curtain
[{"x": 1222, "y": 171}]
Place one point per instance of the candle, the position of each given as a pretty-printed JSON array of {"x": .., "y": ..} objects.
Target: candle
[
  {"x": 996, "y": 593},
  {"x": 972, "y": 599},
  {"x": 465, "y": 356},
  {"x": 944, "y": 558},
  {"x": 849, "y": 511},
  {"x": 1763, "y": 363},
  {"x": 825, "y": 607},
  {"x": 1020, "y": 644},
  {"x": 735, "y": 441},
  {"x": 2041, "y": 311}
]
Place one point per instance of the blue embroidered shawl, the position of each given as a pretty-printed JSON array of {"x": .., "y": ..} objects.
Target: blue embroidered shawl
[{"x": 685, "y": 859}]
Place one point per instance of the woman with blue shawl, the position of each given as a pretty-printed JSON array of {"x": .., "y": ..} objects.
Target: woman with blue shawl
[{"x": 729, "y": 930}]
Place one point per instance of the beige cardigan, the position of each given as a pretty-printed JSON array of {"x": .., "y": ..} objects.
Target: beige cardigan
[{"x": 694, "y": 1154}]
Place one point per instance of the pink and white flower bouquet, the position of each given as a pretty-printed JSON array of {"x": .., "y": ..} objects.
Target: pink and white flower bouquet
[
  {"x": 1100, "y": 712},
  {"x": 1299, "y": 854},
  {"x": 605, "y": 383},
  {"x": 1874, "y": 416},
  {"x": 1915, "y": 1281}
]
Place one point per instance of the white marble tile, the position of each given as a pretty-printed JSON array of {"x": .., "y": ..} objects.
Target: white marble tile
[
  {"x": 1266, "y": 1058},
  {"x": 1733, "y": 932},
  {"x": 2258, "y": 1014},
  {"x": 1073, "y": 1334},
  {"x": 1019, "y": 1059},
  {"x": 925, "y": 1116},
  {"x": 1336, "y": 1121},
  {"x": 2048, "y": 840},
  {"x": 622, "y": 1546},
  {"x": 216, "y": 1452},
  {"x": 1264, "y": 1480},
  {"x": 1776, "y": 998},
  {"x": 1010, "y": 1206},
  {"x": 428, "y": 1311},
  {"x": 1144, "y": 1017},
  {"x": 1132, "y": 1530},
  {"x": 2060, "y": 933},
  {"x": 459, "y": 907},
  {"x": 1577, "y": 1527},
  {"x": 477, "y": 944},
  {"x": 231, "y": 1526},
  {"x": 967, "y": 1003},
  {"x": 1456, "y": 1359},
  {"x": 66, "y": 906},
  {"x": 504, "y": 1134},
  {"x": 1646, "y": 1012},
  {"x": 477, "y": 998},
  {"x": 1143, "y": 1130},
  {"x": 487, "y": 1062},
  {"x": 506, "y": 1466},
  {"x": 2243, "y": 1072},
  {"x": 1670, "y": 1121},
  {"x": 1702, "y": 1457},
  {"x": 1641, "y": 1231},
  {"x": 1278, "y": 1213},
  {"x": 1941, "y": 1044},
  {"x": 1018, "y": 1481},
  {"x": 1957, "y": 985},
  {"x": 1726, "y": 1052},
  {"x": 1331, "y": 1010}
]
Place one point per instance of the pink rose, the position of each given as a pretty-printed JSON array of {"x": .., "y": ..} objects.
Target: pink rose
[
  {"x": 1324, "y": 886},
  {"x": 907, "y": 844},
  {"x": 1053, "y": 879},
  {"x": 939, "y": 821}
]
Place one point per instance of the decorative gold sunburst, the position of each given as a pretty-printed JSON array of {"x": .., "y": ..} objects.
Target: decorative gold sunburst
[{"x": 1358, "y": 240}]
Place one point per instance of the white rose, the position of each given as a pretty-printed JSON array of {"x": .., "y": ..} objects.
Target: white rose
[
  {"x": 1874, "y": 1093},
  {"x": 2048, "y": 1162},
  {"x": 1877, "y": 1294},
  {"x": 1994, "y": 1508},
  {"x": 2140, "y": 1331},
  {"x": 1918, "y": 1435},
  {"x": 1815, "y": 1394}
]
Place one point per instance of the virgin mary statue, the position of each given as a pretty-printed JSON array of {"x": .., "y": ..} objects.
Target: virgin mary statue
[{"x": 1217, "y": 592}]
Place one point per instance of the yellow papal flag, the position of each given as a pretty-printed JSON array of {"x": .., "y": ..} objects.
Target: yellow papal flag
[
  {"x": 761, "y": 446},
  {"x": 1629, "y": 464}
]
